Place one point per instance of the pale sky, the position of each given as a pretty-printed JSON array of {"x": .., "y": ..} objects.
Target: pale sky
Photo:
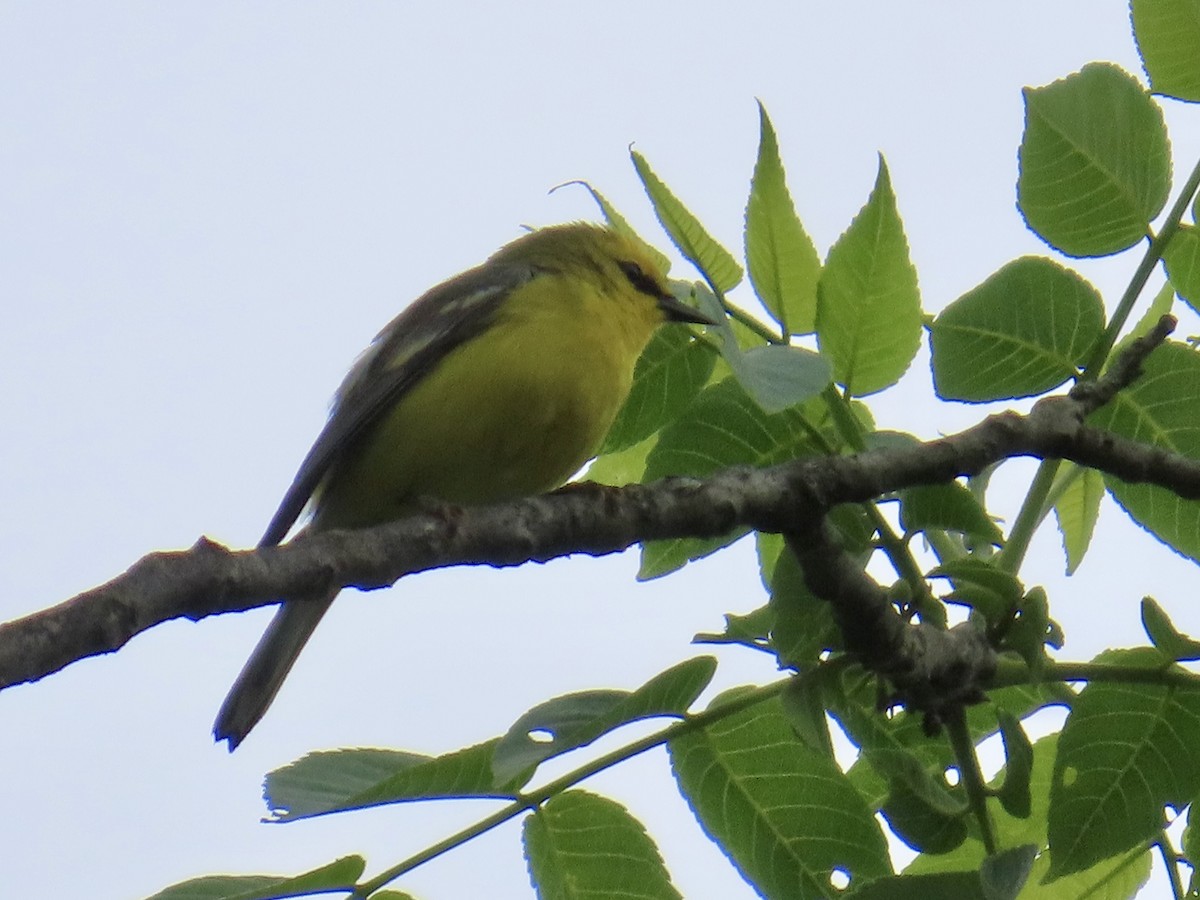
[{"x": 208, "y": 209}]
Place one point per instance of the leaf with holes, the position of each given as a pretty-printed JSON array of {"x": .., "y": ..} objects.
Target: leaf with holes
[
  {"x": 1119, "y": 876},
  {"x": 1126, "y": 751},
  {"x": 339, "y": 780},
  {"x": 575, "y": 720},
  {"x": 783, "y": 812}
]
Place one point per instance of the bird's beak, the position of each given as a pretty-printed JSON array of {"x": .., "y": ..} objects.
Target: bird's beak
[{"x": 678, "y": 311}]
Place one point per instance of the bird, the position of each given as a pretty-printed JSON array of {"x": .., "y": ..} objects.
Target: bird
[{"x": 498, "y": 383}]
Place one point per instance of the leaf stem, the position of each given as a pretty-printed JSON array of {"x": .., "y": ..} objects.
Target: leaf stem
[
  {"x": 1102, "y": 885},
  {"x": 1170, "y": 863},
  {"x": 1141, "y": 275},
  {"x": 534, "y": 799},
  {"x": 1011, "y": 672},
  {"x": 972, "y": 777},
  {"x": 897, "y": 550},
  {"x": 1030, "y": 516},
  {"x": 1035, "y": 507},
  {"x": 740, "y": 315}
]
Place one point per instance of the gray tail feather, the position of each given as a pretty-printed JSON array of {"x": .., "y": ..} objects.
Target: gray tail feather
[{"x": 267, "y": 667}]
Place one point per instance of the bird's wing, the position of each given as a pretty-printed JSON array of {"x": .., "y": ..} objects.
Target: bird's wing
[{"x": 403, "y": 353}]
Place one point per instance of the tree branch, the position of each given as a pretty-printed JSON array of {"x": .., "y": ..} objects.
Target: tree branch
[{"x": 791, "y": 499}]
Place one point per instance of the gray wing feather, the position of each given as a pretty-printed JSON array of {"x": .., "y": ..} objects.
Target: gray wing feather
[{"x": 402, "y": 353}]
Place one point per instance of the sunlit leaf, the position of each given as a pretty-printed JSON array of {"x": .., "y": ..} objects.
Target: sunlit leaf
[
  {"x": 1095, "y": 162},
  {"x": 582, "y": 846},
  {"x": 780, "y": 256},
  {"x": 1077, "y": 509},
  {"x": 782, "y": 811},
  {"x": 1160, "y": 408},
  {"x": 575, "y": 720},
  {"x": 1022, "y": 332},
  {"x": 1126, "y": 751},
  {"x": 693, "y": 241},
  {"x": 869, "y": 307},
  {"x": 1168, "y": 33}
]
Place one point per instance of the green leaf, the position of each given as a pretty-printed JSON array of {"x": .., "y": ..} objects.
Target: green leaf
[
  {"x": 1005, "y": 873},
  {"x": 1022, "y": 332},
  {"x": 1161, "y": 408},
  {"x": 783, "y": 812},
  {"x": 339, "y": 875},
  {"x": 936, "y": 886},
  {"x": 618, "y": 223},
  {"x": 946, "y": 507},
  {"x": 1165, "y": 636},
  {"x": 1182, "y": 259},
  {"x": 783, "y": 263},
  {"x": 904, "y": 769},
  {"x": 1159, "y": 306},
  {"x": 803, "y": 704},
  {"x": 1190, "y": 845},
  {"x": 663, "y": 557},
  {"x": 998, "y": 877},
  {"x": 1077, "y": 509},
  {"x": 1116, "y": 877},
  {"x": 696, "y": 244},
  {"x": 749, "y": 630},
  {"x": 771, "y": 549},
  {"x": 901, "y": 770},
  {"x": 624, "y": 466},
  {"x": 580, "y": 846},
  {"x": 991, "y": 591},
  {"x": 1126, "y": 751},
  {"x": 670, "y": 372},
  {"x": 1167, "y": 34},
  {"x": 779, "y": 377},
  {"x": 887, "y": 744},
  {"x": 776, "y": 376},
  {"x": 1095, "y": 162},
  {"x": 803, "y": 628},
  {"x": 575, "y": 720},
  {"x": 1018, "y": 769},
  {"x": 1033, "y": 629},
  {"x": 338, "y": 780},
  {"x": 869, "y": 307},
  {"x": 723, "y": 427},
  {"x": 924, "y": 825}
]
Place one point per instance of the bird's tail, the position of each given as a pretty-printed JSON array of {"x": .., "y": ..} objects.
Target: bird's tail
[{"x": 267, "y": 667}]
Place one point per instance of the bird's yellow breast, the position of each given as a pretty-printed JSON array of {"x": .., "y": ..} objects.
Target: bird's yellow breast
[{"x": 515, "y": 411}]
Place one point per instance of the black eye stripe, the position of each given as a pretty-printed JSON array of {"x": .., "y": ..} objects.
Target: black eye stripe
[{"x": 640, "y": 279}]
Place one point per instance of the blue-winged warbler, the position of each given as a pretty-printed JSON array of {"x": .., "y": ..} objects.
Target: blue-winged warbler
[{"x": 496, "y": 384}]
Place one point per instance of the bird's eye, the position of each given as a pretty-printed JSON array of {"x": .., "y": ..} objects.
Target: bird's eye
[{"x": 640, "y": 279}]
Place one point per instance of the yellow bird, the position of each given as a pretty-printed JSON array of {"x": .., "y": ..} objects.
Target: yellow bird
[{"x": 497, "y": 384}]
